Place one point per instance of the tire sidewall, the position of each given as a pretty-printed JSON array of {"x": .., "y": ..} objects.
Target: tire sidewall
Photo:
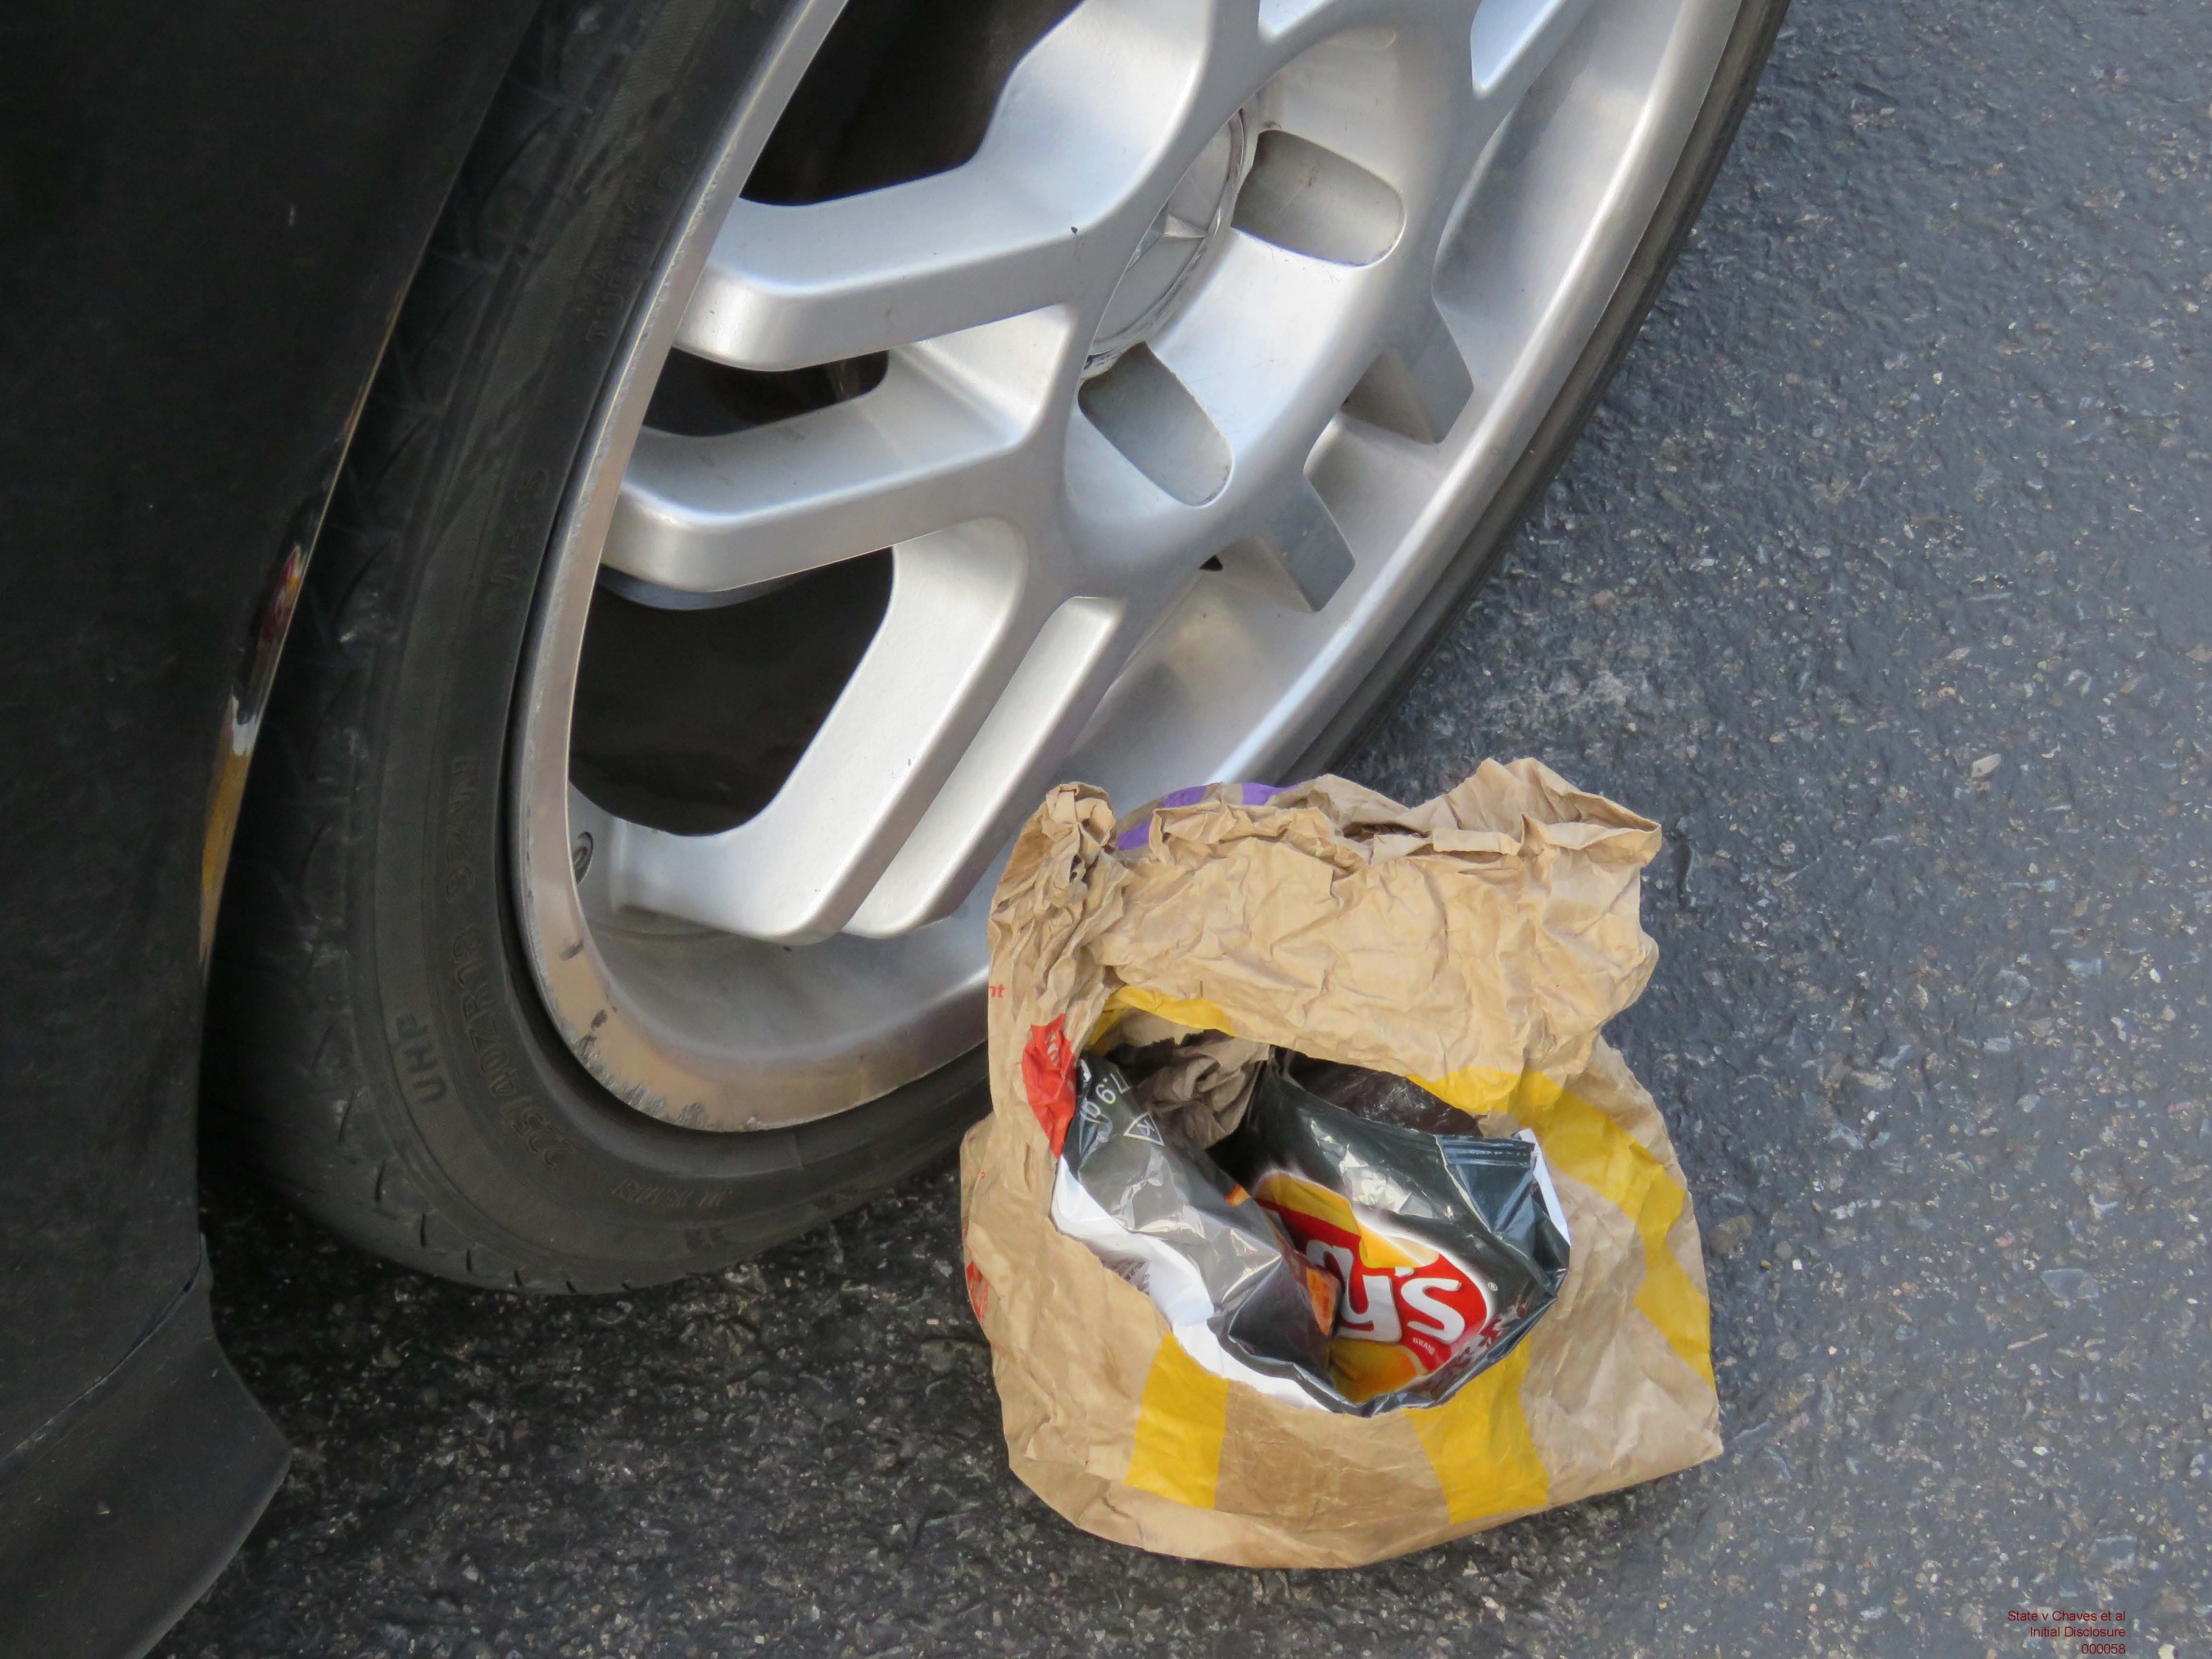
[{"x": 495, "y": 1117}]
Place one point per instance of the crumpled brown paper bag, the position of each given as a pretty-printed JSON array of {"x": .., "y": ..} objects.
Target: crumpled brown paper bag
[{"x": 1477, "y": 943}]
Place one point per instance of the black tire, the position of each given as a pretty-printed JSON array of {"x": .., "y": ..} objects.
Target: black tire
[
  {"x": 376, "y": 1044},
  {"x": 376, "y": 1041}
]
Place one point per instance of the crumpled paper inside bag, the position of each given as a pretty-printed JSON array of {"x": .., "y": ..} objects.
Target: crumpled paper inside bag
[{"x": 1475, "y": 943}]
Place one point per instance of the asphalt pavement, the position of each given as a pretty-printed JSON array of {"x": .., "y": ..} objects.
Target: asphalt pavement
[{"x": 1884, "y": 580}]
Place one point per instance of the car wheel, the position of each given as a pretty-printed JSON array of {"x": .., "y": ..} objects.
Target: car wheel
[{"x": 813, "y": 433}]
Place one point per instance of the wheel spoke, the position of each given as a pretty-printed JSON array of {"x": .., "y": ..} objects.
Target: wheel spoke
[
  {"x": 1419, "y": 384},
  {"x": 1042, "y": 214},
  {"x": 788, "y": 286},
  {"x": 1012, "y": 760},
  {"x": 1273, "y": 332},
  {"x": 1511, "y": 43},
  {"x": 916, "y": 455},
  {"x": 1297, "y": 556},
  {"x": 1383, "y": 109},
  {"x": 1482, "y": 55},
  {"x": 1291, "y": 26},
  {"x": 958, "y": 625}
]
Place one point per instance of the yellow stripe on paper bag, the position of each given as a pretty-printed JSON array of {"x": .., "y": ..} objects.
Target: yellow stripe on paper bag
[
  {"x": 1180, "y": 1426},
  {"x": 1480, "y": 1444},
  {"x": 1199, "y": 1014}
]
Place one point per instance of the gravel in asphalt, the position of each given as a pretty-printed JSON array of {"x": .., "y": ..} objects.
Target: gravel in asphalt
[{"x": 1883, "y": 579}]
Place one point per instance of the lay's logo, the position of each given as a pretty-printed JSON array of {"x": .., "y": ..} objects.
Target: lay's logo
[{"x": 1406, "y": 1307}]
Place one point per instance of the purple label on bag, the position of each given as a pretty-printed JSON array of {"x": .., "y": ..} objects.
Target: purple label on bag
[{"x": 1247, "y": 794}]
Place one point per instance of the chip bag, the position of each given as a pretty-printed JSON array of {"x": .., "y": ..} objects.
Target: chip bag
[
  {"x": 1474, "y": 944},
  {"x": 1229, "y": 1279},
  {"x": 1444, "y": 1251}
]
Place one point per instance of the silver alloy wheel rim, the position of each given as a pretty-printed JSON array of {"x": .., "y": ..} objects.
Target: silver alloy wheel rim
[{"x": 1440, "y": 200}]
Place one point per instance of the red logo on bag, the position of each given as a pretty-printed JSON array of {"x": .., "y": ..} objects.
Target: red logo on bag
[
  {"x": 1048, "y": 1079},
  {"x": 979, "y": 1291},
  {"x": 1405, "y": 1307}
]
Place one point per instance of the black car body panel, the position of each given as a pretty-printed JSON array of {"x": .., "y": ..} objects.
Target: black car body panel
[
  {"x": 120, "y": 1511},
  {"x": 207, "y": 217}
]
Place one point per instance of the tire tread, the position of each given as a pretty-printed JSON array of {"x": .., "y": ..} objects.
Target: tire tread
[{"x": 281, "y": 1013}]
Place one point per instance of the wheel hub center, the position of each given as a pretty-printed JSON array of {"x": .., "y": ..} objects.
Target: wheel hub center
[{"x": 1174, "y": 245}]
